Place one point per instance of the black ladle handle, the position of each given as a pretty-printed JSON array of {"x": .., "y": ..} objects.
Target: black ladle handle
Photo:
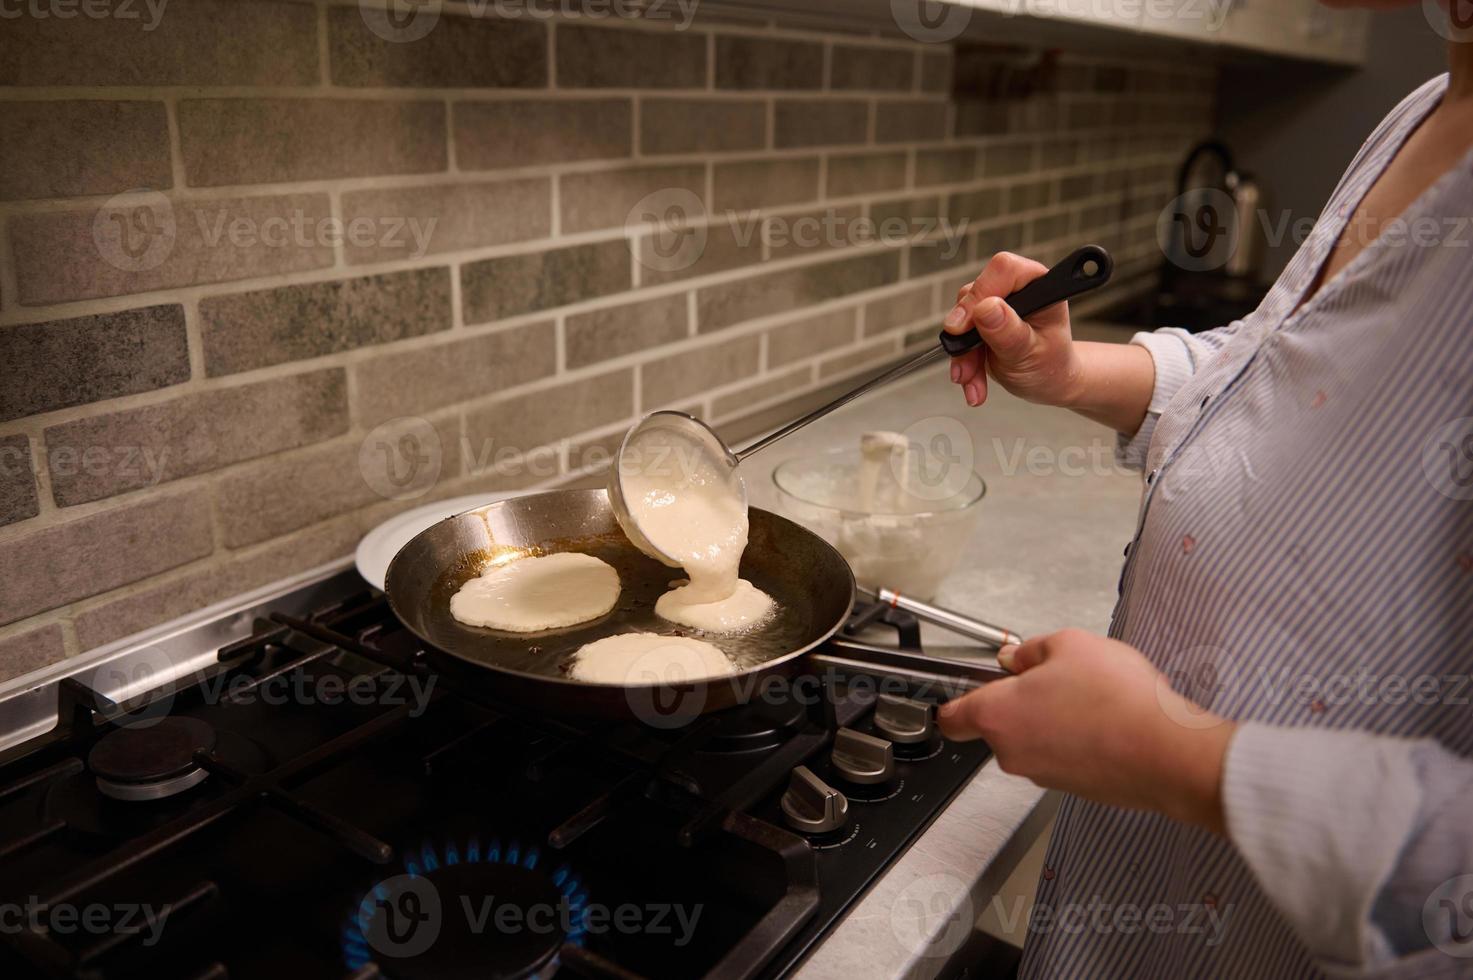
[{"x": 1087, "y": 268}]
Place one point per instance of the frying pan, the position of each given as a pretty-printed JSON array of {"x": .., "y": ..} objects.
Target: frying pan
[{"x": 809, "y": 580}]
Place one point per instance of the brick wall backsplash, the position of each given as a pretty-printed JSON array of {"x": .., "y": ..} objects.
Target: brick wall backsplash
[{"x": 250, "y": 254}]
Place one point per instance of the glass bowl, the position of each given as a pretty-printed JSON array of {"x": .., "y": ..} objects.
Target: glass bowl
[{"x": 906, "y": 533}]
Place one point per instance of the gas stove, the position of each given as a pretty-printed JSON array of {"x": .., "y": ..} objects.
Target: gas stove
[{"x": 314, "y": 797}]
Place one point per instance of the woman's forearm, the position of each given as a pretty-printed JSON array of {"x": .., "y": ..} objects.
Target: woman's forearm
[{"x": 1111, "y": 384}]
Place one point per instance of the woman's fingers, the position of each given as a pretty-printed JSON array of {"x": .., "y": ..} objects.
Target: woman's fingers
[
  {"x": 1018, "y": 657},
  {"x": 963, "y": 719},
  {"x": 974, "y": 715},
  {"x": 969, "y": 370},
  {"x": 1005, "y": 333}
]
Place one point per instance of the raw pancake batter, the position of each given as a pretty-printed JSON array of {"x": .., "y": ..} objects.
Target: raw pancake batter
[
  {"x": 745, "y": 607},
  {"x": 689, "y": 507},
  {"x": 649, "y": 658},
  {"x": 877, "y": 458},
  {"x": 533, "y": 594}
]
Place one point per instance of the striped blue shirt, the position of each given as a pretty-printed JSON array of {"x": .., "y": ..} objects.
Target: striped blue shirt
[{"x": 1303, "y": 565}]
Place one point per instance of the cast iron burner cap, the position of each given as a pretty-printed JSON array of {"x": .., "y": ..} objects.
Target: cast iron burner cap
[
  {"x": 758, "y": 725},
  {"x": 151, "y": 762},
  {"x": 468, "y": 921}
]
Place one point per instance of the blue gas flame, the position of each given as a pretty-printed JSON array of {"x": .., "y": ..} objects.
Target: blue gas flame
[{"x": 357, "y": 952}]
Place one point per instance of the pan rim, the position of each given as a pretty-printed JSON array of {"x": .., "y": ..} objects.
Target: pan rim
[{"x": 763, "y": 667}]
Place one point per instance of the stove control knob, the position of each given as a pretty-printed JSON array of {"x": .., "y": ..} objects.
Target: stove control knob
[
  {"x": 862, "y": 758},
  {"x": 813, "y": 806},
  {"x": 902, "y": 720}
]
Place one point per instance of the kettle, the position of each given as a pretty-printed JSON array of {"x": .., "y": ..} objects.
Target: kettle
[{"x": 1237, "y": 238}]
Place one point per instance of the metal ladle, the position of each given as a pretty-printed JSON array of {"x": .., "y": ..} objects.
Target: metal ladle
[{"x": 1086, "y": 269}]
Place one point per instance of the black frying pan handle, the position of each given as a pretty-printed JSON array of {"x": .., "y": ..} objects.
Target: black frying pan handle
[{"x": 1088, "y": 268}]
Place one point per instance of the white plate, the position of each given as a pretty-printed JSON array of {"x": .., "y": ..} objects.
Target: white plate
[{"x": 380, "y": 545}]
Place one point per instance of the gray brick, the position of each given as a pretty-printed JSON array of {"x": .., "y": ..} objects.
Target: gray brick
[
  {"x": 597, "y": 453},
  {"x": 422, "y": 379},
  {"x": 730, "y": 303},
  {"x": 738, "y": 430},
  {"x": 701, "y": 126},
  {"x": 872, "y": 355},
  {"x": 982, "y": 118},
  {"x": 900, "y": 309},
  {"x": 525, "y": 423},
  {"x": 67, "y": 149},
  {"x": 768, "y": 63},
  {"x": 953, "y": 165},
  {"x": 110, "y": 454},
  {"x": 750, "y": 184},
  {"x": 936, "y": 72},
  {"x": 62, "y": 563},
  {"x": 266, "y": 500},
  {"x": 24, "y": 652},
  {"x": 694, "y": 372},
  {"x": 871, "y": 68},
  {"x": 182, "y": 593},
  {"x": 1007, "y": 160},
  {"x": 936, "y": 255},
  {"x": 205, "y": 42},
  {"x": 865, "y": 173},
  {"x": 1030, "y": 195},
  {"x": 743, "y": 398},
  {"x": 408, "y": 222},
  {"x": 604, "y": 200},
  {"x": 910, "y": 121},
  {"x": 527, "y": 132},
  {"x": 808, "y": 232},
  {"x": 246, "y": 141},
  {"x": 810, "y": 336},
  {"x": 601, "y": 57},
  {"x": 243, "y": 331},
  {"x": 731, "y": 241},
  {"x": 619, "y": 330},
  {"x": 58, "y": 363},
  {"x": 1004, "y": 238},
  {"x": 18, "y": 499},
  {"x": 113, "y": 250},
  {"x": 460, "y": 52},
  {"x": 914, "y": 211},
  {"x": 974, "y": 206},
  {"x": 819, "y": 122},
  {"x": 1048, "y": 229},
  {"x": 495, "y": 289}
]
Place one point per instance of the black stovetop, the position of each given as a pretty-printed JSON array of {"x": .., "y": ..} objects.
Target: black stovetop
[{"x": 328, "y": 804}]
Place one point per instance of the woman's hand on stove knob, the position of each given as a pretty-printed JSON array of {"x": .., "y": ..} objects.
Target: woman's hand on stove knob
[
  {"x": 1034, "y": 359},
  {"x": 1093, "y": 717}
]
